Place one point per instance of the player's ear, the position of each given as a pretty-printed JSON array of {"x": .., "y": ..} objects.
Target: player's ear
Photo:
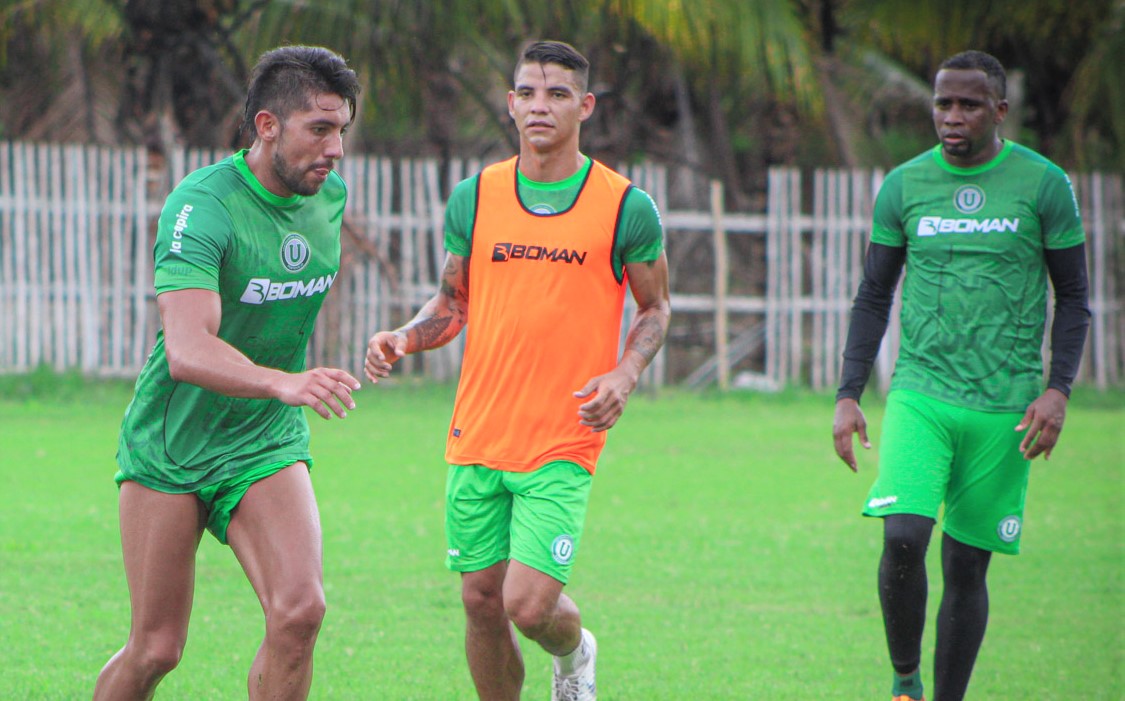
[
  {"x": 267, "y": 125},
  {"x": 1001, "y": 111},
  {"x": 587, "y": 108}
]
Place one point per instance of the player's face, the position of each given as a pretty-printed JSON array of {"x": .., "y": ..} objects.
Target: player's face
[
  {"x": 967, "y": 114},
  {"x": 548, "y": 106},
  {"x": 309, "y": 143}
]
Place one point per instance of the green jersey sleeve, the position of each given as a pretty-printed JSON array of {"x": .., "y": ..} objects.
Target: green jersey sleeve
[
  {"x": 887, "y": 220},
  {"x": 640, "y": 236},
  {"x": 1059, "y": 216},
  {"x": 460, "y": 213},
  {"x": 192, "y": 235}
]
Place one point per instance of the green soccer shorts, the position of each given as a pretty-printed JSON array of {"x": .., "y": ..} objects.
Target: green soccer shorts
[
  {"x": 533, "y": 517},
  {"x": 932, "y": 453},
  {"x": 221, "y": 499}
]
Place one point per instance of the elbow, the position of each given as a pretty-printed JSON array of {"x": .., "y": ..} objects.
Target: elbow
[{"x": 178, "y": 367}]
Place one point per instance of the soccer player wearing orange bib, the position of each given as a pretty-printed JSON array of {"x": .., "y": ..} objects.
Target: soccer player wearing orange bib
[{"x": 540, "y": 250}]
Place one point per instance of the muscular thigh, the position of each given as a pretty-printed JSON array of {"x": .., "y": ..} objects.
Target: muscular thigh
[
  {"x": 159, "y": 536},
  {"x": 275, "y": 533}
]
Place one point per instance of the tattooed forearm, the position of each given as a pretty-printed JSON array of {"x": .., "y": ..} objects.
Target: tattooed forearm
[
  {"x": 429, "y": 333},
  {"x": 455, "y": 280},
  {"x": 646, "y": 336},
  {"x": 442, "y": 318}
]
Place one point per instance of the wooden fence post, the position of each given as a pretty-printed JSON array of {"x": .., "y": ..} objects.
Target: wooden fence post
[{"x": 722, "y": 280}]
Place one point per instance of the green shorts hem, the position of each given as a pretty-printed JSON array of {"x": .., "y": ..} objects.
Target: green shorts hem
[
  {"x": 221, "y": 498},
  {"x": 992, "y": 547},
  {"x": 465, "y": 567},
  {"x": 535, "y": 518}
]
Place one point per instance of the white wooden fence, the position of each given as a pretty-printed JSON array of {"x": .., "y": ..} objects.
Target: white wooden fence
[{"x": 761, "y": 300}]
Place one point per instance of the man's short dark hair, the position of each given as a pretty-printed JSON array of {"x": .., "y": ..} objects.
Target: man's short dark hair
[
  {"x": 559, "y": 53},
  {"x": 287, "y": 78},
  {"x": 979, "y": 61}
]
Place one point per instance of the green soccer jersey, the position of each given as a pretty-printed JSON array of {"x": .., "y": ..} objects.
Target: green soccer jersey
[
  {"x": 271, "y": 260},
  {"x": 974, "y": 294},
  {"x": 640, "y": 234}
]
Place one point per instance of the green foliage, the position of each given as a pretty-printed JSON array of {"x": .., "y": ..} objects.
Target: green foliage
[
  {"x": 1069, "y": 51},
  {"x": 724, "y": 558},
  {"x": 435, "y": 73},
  {"x": 57, "y": 21}
]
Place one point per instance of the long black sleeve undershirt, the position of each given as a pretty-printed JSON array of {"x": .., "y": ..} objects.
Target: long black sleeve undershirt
[
  {"x": 871, "y": 312},
  {"x": 1067, "y": 268},
  {"x": 882, "y": 267}
]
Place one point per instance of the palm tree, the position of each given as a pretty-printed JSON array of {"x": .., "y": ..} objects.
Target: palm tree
[
  {"x": 1063, "y": 52},
  {"x": 721, "y": 87},
  {"x": 47, "y": 51},
  {"x": 183, "y": 74}
]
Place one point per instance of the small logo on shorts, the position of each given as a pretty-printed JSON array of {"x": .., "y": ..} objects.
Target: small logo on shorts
[
  {"x": 881, "y": 502},
  {"x": 1009, "y": 529},
  {"x": 562, "y": 550},
  {"x": 453, "y": 552}
]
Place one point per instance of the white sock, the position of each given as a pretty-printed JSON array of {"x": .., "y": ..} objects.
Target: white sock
[{"x": 567, "y": 663}]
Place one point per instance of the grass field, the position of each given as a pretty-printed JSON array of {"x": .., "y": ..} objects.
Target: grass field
[{"x": 724, "y": 558}]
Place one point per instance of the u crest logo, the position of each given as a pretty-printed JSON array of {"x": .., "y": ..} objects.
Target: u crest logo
[
  {"x": 968, "y": 199},
  {"x": 1009, "y": 529},
  {"x": 562, "y": 549}
]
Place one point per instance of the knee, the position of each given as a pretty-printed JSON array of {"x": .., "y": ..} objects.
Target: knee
[
  {"x": 906, "y": 538},
  {"x": 298, "y": 618},
  {"x": 964, "y": 567},
  {"x": 530, "y": 615},
  {"x": 482, "y": 602},
  {"x": 157, "y": 655}
]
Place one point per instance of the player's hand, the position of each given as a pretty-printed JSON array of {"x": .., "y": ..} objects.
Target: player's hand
[
  {"x": 849, "y": 419},
  {"x": 610, "y": 392},
  {"x": 1043, "y": 422},
  {"x": 326, "y": 390},
  {"x": 384, "y": 348}
]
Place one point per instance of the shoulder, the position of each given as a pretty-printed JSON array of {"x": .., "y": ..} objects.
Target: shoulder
[
  {"x": 217, "y": 179},
  {"x": 1034, "y": 167},
  {"x": 1034, "y": 162},
  {"x": 640, "y": 206},
  {"x": 926, "y": 160},
  {"x": 465, "y": 191},
  {"x": 335, "y": 187},
  {"x": 198, "y": 196},
  {"x": 616, "y": 179},
  {"x": 209, "y": 188},
  {"x": 1030, "y": 156},
  {"x": 501, "y": 170}
]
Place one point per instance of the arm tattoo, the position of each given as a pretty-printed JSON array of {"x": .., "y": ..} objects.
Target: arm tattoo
[
  {"x": 443, "y": 317},
  {"x": 646, "y": 337},
  {"x": 430, "y": 333}
]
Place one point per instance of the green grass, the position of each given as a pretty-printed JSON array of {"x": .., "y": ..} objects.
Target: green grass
[{"x": 724, "y": 558}]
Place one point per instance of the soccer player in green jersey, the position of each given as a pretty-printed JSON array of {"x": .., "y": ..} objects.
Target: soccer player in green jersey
[
  {"x": 980, "y": 223},
  {"x": 216, "y": 435}
]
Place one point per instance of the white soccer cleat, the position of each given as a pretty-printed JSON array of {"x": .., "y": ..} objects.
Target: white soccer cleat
[{"x": 579, "y": 685}]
